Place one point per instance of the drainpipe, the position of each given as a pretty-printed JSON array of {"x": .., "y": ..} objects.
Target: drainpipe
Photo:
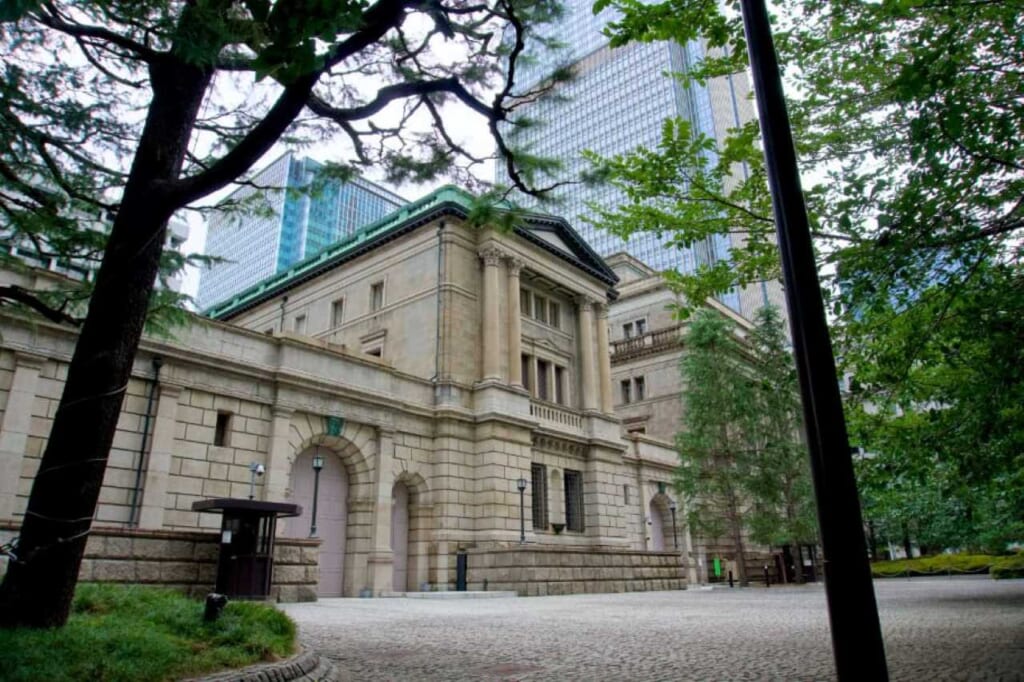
[
  {"x": 437, "y": 334},
  {"x": 284, "y": 300},
  {"x": 158, "y": 362}
]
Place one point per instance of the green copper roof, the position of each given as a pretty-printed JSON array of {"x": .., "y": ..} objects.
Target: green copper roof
[{"x": 409, "y": 216}]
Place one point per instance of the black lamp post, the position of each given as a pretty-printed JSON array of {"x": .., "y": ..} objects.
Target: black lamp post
[
  {"x": 521, "y": 484},
  {"x": 318, "y": 464},
  {"x": 675, "y": 534}
]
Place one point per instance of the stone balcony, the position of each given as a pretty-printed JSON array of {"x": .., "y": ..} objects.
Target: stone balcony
[
  {"x": 556, "y": 417},
  {"x": 652, "y": 342}
]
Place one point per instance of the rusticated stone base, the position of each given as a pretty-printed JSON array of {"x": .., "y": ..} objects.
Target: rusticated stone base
[
  {"x": 187, "y": 561},
  {"x": 535, "y": 571}
]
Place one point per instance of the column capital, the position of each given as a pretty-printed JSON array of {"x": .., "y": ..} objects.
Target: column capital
[
  {"x": 280, "y": 412},
  {"x": 490, "y": 255},
  {"x": 28, "y": 359},
  {"x": 515, "y": 265},
  {"x": 585, "y": 303},
  {"x": 602, "y": 310}
]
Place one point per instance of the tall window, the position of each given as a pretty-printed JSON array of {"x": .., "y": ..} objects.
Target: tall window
[
  {"x": 525, "y": 368},
  {"x": 337, "y": 312},
  {"x": 539, "y": 489},
  {"x": 573, "y": 500},
  {"x": 376, "y": 296},
  {"x": 624, "y": 385},
  {"x": 641, "y": 327},
  {"x": 524, "y": 302},
  {"x": 640, "y": 385},
  {"x": 540, "y": 308},
  {"x": 543, "y": 380},
  {"x": 627, "y": 330},
  {"x": 222, "y": 432},
  {"x": 560, "y": 385},
  {"x": 554, "y": 314},
  {"x": 299, "y": 326}
]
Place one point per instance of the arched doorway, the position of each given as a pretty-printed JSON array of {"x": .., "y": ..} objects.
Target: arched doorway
[
  {"x": 400, "y": 537},
  {"x": 331, "y": 516}
]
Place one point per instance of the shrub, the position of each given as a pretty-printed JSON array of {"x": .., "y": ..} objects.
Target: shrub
[{"x": 1008, "y": 567}]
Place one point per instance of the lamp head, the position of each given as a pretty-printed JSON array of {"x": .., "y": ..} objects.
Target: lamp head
[
  {"x": 257, "y": 468},
  {"x": 521, "y": 484},
  {"x": 318, "y": 462},
  {"x": 672, "y": 505}
]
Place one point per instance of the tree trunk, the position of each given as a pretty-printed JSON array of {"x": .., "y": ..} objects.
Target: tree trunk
[
  {"x": 736, "y": 523},
  {"x": 907, "y": 547},
  {"x": 39, "y": 587},
  {"x": 798, "y": 564}
]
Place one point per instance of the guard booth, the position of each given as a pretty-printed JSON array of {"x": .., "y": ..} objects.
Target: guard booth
[{"x": 245, "y": 563}]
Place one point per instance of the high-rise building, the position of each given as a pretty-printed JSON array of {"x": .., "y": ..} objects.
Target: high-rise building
[
  {"x": 616, "y": 103},
  {"x": 286, "y": 224}
]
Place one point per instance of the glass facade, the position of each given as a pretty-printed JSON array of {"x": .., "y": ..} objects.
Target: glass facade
[
  {"x": 289, "y": 225},
  {"x": 617, "y": 102}
]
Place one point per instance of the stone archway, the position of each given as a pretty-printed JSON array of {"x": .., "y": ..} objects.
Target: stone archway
[
  {"x": 331, "y": 517},
  {"x": 662, "y": 531}
]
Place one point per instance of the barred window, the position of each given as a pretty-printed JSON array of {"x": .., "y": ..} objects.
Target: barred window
[
  {"x": 573, "y": 500},
  {"x": 539, "y": 490}
]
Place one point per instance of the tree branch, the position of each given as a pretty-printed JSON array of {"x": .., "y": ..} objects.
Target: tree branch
[{"x": 23, "y": 296}]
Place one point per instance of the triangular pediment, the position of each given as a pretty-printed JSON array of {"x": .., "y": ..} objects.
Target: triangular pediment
[
  {"x": 558, "y": 237},
  {"x": 551, "y": 238}
]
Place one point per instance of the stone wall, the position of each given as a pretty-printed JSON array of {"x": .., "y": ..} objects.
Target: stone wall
[
  {"x": 185, "y": 561},
  {"x": 538, "y": 571}
]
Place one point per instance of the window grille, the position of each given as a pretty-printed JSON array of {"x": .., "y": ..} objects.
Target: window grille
[
  {"x": 539, "y": 490},
  {"x": 573, "y": 500}
]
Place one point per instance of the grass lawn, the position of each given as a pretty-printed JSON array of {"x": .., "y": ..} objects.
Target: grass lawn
[{"x": 129, "y": 633}]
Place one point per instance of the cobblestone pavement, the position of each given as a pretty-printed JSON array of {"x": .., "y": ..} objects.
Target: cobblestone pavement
[{"x": 935, "y": 629}]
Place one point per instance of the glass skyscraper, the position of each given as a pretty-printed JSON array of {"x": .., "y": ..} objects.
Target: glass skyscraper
[
  {"x": 617, "y": 102},
  {"x": 286, "y": 225}
]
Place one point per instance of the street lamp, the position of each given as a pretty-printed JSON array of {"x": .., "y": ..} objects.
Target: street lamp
[
  {"x": 318, "y": 464},
  {"x": 255, "y": 469},
  {"x": 675, "y": 535},
  {"x": 521, "y": 484}
]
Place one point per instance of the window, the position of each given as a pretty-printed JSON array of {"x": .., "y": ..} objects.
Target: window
[
  {"x": 640, "y": 386},
  {"x": 337, "y": 312},
  {"x": 625, "y": 494},
  {"x": 299, "y": 324},
  {"x": 560, "y": 385},
  {"x": 624, "y": 385},
  {"x": 222, "y": 432},
  {"x": 573, "y": 500},
  {"x": 627, "y": 330},
  {"x": 641, "y": 327},
  {"x": 543, "y": 380},
  {"x": 554, "y": 314},
  {"x": 376, "y": 296},
  {"x": 376, "y": 352},
  {"x": 524, "y": 302},
  {"x": 539, "y": 490},
  {"x": 640, "y": 430},
  {"x": 540, "y": 308}
]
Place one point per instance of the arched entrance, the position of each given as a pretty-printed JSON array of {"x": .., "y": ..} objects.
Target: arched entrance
[
  {"x": 400, "y": 537},
  {"x": 331, "y": 516}
]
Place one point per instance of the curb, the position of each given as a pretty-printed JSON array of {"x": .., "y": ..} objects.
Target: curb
[{"x": 306, "y": 666}]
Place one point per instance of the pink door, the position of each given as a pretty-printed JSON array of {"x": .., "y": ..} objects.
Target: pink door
[
  {"x": 331, "y": 515},
  {"x": 400, "y": 536}
]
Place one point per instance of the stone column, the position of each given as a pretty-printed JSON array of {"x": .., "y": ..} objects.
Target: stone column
[
  {"x": 491, "y": 324},
  {"x": 604, "y": 360},
  {"x": 279, "y": 458},
  {"x": 515, "y": 332},
  {"x": 588, "y": 386},
  {"x": 381, "y": 559},
  {"x": 15, "y": 427},
  {"x": 158, "y": 464}
]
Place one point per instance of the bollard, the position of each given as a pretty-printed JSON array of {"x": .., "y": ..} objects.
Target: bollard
[
  {"x": 730, "y": 578},
  {"x": 767, "y": 580},
  {"x": 215, "y": 603}
]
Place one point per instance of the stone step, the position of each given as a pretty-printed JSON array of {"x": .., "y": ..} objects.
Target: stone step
[{"x": 468, "y": 594}]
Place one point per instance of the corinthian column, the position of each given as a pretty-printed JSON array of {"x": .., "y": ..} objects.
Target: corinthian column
[
  {"x": 585, "y": 309},
  {"x": 492, "y": 359},
  {"x": 515, "y": 332},
  {"x": 604, "y": 360}
]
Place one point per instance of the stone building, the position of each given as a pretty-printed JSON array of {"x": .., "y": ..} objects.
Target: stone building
[{"x": 431, "y": 363}]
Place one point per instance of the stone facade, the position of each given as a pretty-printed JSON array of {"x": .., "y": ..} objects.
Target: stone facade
[{"x": 482, "y": 359}]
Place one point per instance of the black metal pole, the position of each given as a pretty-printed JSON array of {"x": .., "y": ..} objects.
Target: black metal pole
[
  {"x": 522, "y": 517},
  {"x": 316, "y": 494},
  {"x": 856, "y": 634},
  {"x": 675, "y": 534}
]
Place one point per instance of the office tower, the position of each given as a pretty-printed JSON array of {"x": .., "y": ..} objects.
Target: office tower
[
  {"x": 617, "y": 102},
  {"x": 285, "y": 225}
]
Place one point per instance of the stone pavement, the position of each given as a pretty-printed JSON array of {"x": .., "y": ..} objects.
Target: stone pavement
[{"x": 935, "y": 629}]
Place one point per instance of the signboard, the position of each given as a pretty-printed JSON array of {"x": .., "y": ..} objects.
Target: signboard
[
  {"x": 718, "y": 567},
  {"x": 335, "y": 425}
]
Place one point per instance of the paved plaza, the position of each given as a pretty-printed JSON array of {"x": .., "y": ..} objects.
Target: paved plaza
[{"x": 935, "y": 629}]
